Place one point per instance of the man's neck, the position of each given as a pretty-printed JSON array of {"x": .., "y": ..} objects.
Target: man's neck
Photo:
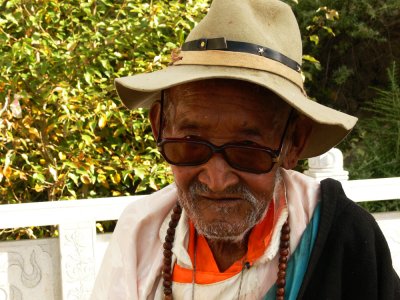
[{"x": 227, "y": 252}]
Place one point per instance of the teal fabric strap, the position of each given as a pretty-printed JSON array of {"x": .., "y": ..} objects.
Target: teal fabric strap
[{"x": 298, "y": 261}]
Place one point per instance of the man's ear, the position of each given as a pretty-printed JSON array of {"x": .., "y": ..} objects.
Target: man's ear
[
  {"x": 154, "y": 115},
  {"x": 301, "y": 131}
]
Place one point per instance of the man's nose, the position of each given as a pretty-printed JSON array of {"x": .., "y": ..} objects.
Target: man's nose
[{"x": 217, "y": 174}]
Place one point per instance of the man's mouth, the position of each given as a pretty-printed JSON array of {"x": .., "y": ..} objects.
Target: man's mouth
[{"x": 221, "y": 199}]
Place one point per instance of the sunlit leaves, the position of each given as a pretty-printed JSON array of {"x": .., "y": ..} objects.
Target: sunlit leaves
[
  {"x": 69, "y": 136},
  {"x": 102, "y": 121},
  {"x": 330, "y": 14}
]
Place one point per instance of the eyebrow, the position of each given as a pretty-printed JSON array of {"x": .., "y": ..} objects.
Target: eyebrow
[
  {"x": 251, "y": 131},
  {"x": 187, "y": 124}
]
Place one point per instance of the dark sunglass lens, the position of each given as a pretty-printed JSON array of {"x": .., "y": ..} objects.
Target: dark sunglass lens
[
  {"x": 185, "y": 153},
  {"x": 251, "y": 160}
]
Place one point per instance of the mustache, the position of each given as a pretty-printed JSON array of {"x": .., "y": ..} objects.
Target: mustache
[{"x": 240, "y": 189}]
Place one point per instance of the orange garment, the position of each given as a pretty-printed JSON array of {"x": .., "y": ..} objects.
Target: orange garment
[{"x": 206, "y": 268}]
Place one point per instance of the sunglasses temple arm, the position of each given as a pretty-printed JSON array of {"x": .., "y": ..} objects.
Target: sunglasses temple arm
[
  {"x": 284, "y": 132},
  {"x": 161, "y": 123}
]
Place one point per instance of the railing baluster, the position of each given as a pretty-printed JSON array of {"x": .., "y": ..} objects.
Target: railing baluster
[{"x": 77, "y": 249}]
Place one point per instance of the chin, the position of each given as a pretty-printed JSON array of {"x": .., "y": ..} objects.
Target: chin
[
  {"x": 223, "y": 231},
  {"x": 223, "y": 220}
]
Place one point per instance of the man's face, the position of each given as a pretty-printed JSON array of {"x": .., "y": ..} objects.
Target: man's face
[{"x": 224, "y": 203}]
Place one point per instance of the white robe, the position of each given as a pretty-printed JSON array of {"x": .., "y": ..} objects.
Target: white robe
[{"x": 131, "y": 268}]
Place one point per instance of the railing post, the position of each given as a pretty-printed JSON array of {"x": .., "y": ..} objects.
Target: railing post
[
  {"x": 77, "y": 248},
  {"x": 327, "y": 165}
]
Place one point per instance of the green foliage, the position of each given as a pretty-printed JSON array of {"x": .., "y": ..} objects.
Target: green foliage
[
  {"x": 381, "y": 206},
  {"x": 32, "y": 233},
  {"x": 354, "y": 42},
  {"x": 64, "y": 133},
  {"x": 377, "y": 153}
]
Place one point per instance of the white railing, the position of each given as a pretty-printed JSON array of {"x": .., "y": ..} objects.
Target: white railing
[
  {"x": 65, "y": 267},
  {"x": 62, "y": 268}
]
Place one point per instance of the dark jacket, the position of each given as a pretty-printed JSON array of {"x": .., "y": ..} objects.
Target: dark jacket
[{"x": 350, "y": 258}]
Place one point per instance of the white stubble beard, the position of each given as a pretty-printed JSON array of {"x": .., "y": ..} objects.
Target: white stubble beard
[{"x": 224, "y": 231}]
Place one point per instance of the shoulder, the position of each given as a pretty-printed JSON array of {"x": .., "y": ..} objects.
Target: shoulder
[
  {"x": 144, "y": 217},
  {"x": 134, "y": 253},
  {"x": 352, "y": 234},
  {"x": 351, "y": 258},
  {"x": 345, "y": 213},
  {"x": 154, "y": 206}
]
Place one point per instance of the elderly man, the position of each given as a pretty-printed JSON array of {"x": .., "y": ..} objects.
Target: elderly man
[{"x": 231, "y": 117}]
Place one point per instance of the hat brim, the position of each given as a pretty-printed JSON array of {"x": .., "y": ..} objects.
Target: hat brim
[{"x": 329, "y": 126}]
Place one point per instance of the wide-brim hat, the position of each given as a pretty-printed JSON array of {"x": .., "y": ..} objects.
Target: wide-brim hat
[{"x": 257, "y": 41}]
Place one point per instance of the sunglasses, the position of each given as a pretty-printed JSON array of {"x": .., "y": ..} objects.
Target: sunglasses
[{"x": 190, "y": 151}]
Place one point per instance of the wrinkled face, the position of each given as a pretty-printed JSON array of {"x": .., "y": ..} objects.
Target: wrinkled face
[{"x": 224, "y": 203}]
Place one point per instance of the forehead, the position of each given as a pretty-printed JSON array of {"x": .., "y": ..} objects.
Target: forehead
[{"x": 222, "y": 96}]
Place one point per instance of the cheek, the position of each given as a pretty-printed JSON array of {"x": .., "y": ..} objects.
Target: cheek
[
  {"x": 262, "y": 185},
  {"x": 183, "y": 175}
]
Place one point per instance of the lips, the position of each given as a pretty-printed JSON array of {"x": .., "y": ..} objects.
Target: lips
[
  {"x": 220, "y": 202},
  {"x": 220, "y": 199}
]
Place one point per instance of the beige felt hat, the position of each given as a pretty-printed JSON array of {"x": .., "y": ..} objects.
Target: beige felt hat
[{"x": 252, "y": 40}]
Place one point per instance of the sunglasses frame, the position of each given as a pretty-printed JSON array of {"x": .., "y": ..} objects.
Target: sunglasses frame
[{"x": 275, "y": 154}]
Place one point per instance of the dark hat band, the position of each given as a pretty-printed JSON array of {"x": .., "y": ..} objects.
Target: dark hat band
[{"x": 223, "y": 44}]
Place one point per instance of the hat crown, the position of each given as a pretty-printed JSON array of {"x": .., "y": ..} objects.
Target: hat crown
[
  {"x": 268, "y": 23},
  {"x": 212, "y": 50}
]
